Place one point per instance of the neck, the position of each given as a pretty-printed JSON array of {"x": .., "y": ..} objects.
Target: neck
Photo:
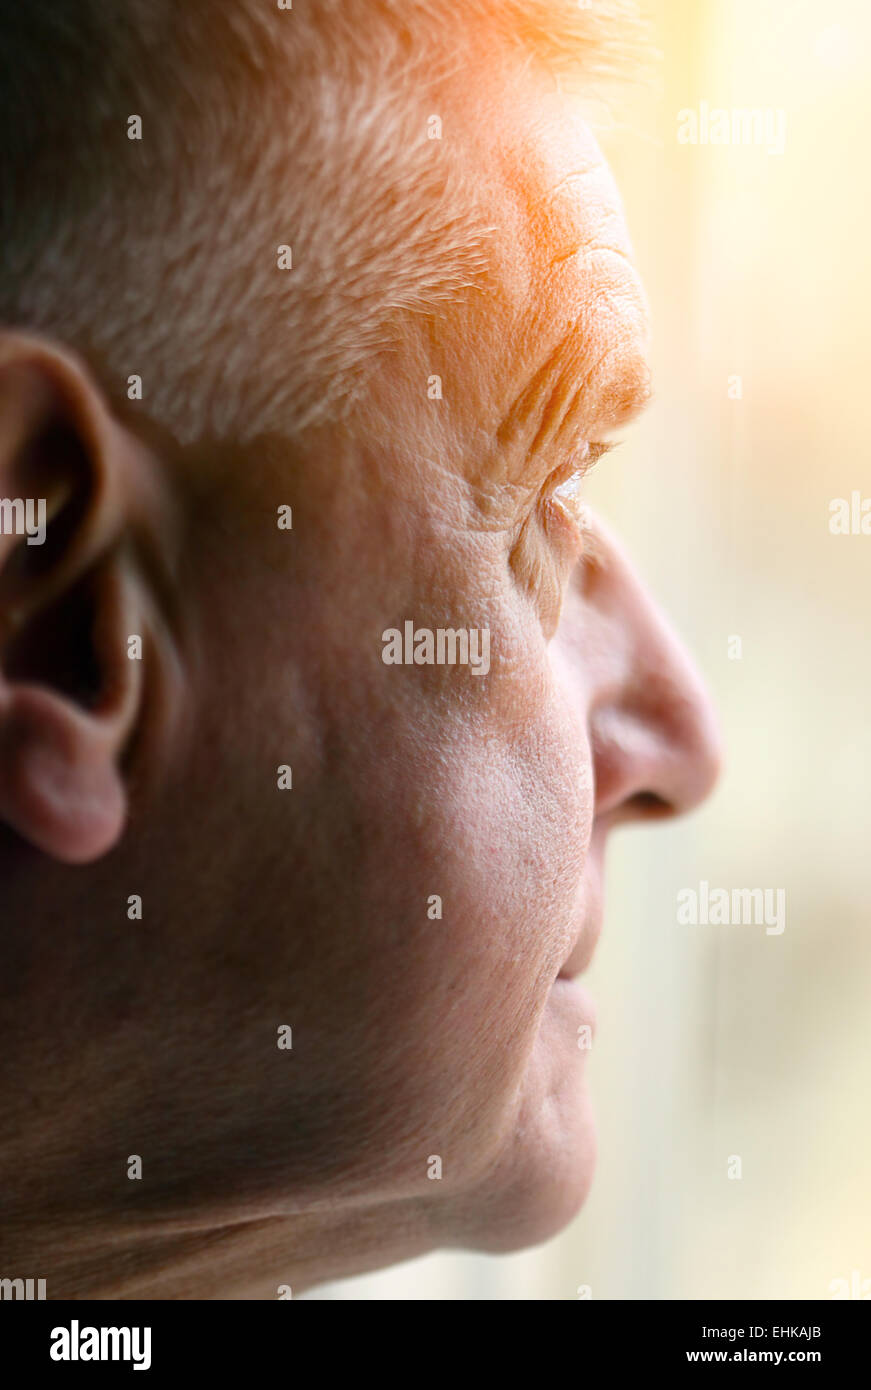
[{"x": 255, "y": 1258}]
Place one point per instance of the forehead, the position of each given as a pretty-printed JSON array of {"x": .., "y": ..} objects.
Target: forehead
[{"x": 562, "y": 332}]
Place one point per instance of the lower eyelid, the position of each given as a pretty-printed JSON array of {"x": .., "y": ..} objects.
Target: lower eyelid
[{"x": 567, "y": 502}]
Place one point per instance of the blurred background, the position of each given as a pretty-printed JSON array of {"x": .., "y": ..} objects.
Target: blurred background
[{"x": 717, "y": 1042}]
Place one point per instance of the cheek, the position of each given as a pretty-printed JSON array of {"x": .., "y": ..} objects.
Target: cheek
[
  {"x": 425, "y": 896},
  {"x": 458, "y": 915}
]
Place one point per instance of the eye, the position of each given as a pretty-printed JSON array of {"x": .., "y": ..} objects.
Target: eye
[
  {"x": 556, "y": 535},
  {"x": 567, "y": 516},
  {"x": 568, "y": 497}
]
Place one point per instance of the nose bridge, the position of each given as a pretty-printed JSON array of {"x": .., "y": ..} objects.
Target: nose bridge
[{"x": 653, "y": 730}]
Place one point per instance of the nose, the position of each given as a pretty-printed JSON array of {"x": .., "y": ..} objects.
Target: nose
[{"x": 654, "y": 736}]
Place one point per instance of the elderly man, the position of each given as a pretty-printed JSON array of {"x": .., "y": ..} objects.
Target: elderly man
[{"x": 313, "y": 320}]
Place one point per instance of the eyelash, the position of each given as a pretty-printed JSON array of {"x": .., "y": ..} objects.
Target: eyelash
[{"x": 574, "y": 517}]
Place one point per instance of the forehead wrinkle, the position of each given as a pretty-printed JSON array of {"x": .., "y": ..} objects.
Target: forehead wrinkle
[
  {"x": 583, "y": 284},
  {"x": 561, "y": 307},
  {"x": 560, "y": 214}
]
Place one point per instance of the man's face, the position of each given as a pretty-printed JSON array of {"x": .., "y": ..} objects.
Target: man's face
[{"x": 418, "y": 905}]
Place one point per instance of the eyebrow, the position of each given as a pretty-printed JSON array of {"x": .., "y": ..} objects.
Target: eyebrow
[{"x": 562, "y": 407}]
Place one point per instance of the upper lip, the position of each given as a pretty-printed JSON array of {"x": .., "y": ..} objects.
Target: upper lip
[{"x": 585, "y": 942}]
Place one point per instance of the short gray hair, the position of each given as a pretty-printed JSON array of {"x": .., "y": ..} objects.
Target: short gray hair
[{"x": 261, "y": 127}]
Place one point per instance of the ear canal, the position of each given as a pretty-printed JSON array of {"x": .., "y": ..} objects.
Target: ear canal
[
  {"x": 56, "y": 648},
  {"x": 54, "y": 470}
]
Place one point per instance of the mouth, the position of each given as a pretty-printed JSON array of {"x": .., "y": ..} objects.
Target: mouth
[
  {"x": 582, "y": 954},
  {"x": 572, "y": 994}
]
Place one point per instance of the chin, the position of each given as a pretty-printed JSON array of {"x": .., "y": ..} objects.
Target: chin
[{"x": 544, "y": 1170}]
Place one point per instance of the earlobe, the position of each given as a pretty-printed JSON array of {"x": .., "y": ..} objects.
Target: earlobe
[
  {"x": 60, "y": 787},
  {"x": 69, "y": 598}
]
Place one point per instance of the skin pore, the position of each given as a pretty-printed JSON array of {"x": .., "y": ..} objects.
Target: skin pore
[{"x": 412, "y": 1037}]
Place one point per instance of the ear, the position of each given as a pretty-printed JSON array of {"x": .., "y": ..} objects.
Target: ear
[{"x": 70, "y": 596}]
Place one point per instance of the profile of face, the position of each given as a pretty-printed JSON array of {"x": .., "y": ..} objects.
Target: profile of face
[{"x": 302, "y": 911}]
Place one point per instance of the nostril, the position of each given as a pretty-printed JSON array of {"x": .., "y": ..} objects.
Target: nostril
[{"x": 647, "y": 806}]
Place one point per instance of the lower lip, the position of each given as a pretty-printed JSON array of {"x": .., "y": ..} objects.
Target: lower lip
[{"x": 582, "y": 1001}]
